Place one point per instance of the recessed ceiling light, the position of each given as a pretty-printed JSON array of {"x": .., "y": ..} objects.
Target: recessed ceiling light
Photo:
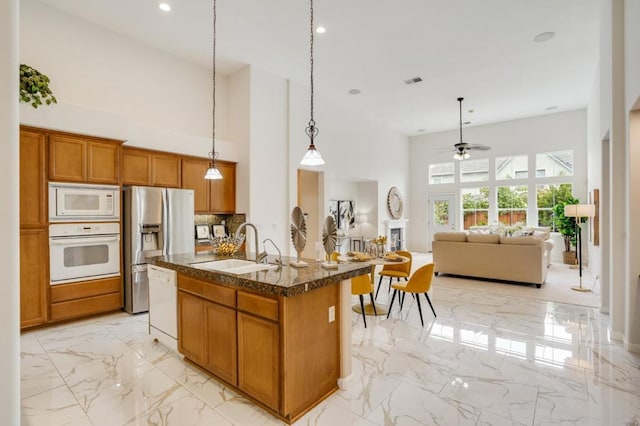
[
  {"x": 551, "y": 108},
  {"x": 422, "y": 130},
  {"x": 542, "y": 37},
  {"x": 164, "y": 7},
  {"x": 354, "y": 91},
  {"x": 471, "y": 111},
  {"x": 467, "y": 122},
  {"x": 321, "y": 30}
]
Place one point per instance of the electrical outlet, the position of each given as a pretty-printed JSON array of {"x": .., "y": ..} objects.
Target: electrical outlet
[{"x": 332, "y": 313}]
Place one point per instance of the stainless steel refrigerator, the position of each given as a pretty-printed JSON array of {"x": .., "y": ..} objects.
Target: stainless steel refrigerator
[{"x": 156, "y": 221}]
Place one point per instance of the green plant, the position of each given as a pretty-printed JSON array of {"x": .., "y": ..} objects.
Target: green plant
[
  {"x": 34, "y": 87},
  {"x": 566, "y": 225}
]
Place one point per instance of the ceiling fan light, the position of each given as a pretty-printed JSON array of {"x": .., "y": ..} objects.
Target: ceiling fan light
[
  {"x": 457, "y": 156},
  {"x": 465, "y": 155},
  {"x": 312, "y": 157}
]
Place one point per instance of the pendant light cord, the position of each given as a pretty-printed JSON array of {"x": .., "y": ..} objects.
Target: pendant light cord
[
  {"x": 311, "y": 130},
  {"x": 460, "y": 102},
  {"x": 213, "y": 153}
]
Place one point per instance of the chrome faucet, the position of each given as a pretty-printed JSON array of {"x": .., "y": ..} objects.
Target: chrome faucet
[
  {"x": 278, "y": 261},
  {"x": 259, "y": 256}
]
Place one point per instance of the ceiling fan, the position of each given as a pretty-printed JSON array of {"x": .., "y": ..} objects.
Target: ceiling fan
[{"x": 462, "y": 148}]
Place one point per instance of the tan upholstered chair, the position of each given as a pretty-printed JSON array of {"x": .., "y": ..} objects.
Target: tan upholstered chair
[
  {"x": 402, "y": 270},
  {"x": 420, "y": 282},
  {"x": 360, "y": 286}
]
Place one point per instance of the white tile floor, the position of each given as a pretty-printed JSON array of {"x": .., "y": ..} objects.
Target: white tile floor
[{"x": 487, "y": 359}]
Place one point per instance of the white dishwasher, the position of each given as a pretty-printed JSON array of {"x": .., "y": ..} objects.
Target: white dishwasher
[{"x": 163, "y": 299}]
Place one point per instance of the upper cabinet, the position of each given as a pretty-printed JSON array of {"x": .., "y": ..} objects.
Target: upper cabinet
[
  {"x": 150, "y": 168},
  {"x": 33, "y": 179},
  {"x": 84, "y": 159},
  {"x": 211, "y": 196}
]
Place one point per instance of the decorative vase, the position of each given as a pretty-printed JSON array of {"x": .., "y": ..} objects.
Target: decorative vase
[{"x": 380, "y": 250}]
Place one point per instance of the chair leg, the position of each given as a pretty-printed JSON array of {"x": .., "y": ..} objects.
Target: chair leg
[
  {"x": 420, "y": 310},
  {"x": 390, "y": 281},
  {"x": 373, "y": 304},
  {"x": 429, "y": 300},
  {"x": 391, "y": 304},
  {"x": 364, "y": 315},
  {"x": 379, "y": 284},
  {"x": 402, "y": 299}
]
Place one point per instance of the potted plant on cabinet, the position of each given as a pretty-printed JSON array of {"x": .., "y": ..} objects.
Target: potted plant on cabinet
[
  {"x": 34, "y": 87},
  {"x": 567, "y": 228}
]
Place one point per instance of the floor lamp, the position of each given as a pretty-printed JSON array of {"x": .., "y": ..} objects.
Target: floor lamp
[{"x": 579, "y": 211}]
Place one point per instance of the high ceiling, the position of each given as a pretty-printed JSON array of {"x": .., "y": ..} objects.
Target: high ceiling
[{"x": 481, "y": 50}]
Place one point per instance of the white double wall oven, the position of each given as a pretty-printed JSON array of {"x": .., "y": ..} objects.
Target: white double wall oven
[{"x": 84, "y": 232}]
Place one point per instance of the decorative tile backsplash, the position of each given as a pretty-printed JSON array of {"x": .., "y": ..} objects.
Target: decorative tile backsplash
[{"x": 230, "y": 221}]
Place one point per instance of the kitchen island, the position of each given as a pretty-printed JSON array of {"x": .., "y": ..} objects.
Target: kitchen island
[{"x": 280, "y": 336}]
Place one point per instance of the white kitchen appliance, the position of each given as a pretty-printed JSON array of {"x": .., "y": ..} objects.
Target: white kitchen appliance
[
  {"x": 163, "y": 299},
  {"x": 83, "y": 251},
  {"x": 157, "y": 221},
  {"x": 83, "y": 202}
]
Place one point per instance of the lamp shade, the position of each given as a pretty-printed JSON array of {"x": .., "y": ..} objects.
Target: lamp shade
[{"x": 580, "y": 210}]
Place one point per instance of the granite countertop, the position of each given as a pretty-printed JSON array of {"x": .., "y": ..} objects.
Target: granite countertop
[{"x": 288, "y": 281}]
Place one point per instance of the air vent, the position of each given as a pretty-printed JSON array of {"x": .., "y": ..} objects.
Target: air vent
[{"x": 413, "y": 80}]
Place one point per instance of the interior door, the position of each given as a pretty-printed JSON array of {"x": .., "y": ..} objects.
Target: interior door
[{"x": 443, "y": 214}]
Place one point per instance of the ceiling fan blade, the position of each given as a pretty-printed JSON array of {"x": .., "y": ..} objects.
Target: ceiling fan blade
[{"x": 479, "y": 147}]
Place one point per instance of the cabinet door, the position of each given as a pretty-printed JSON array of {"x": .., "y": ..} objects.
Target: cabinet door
[
  {"x": 221, "y": 342},
  {"x": 165, "y": 170},
  {"x": 104, "y": 162},
  {"x": 258, "y": 359},
  {"x": 33, "y": 185},
  {"x": 191, "y": 327},
  {"x": 136, "y": 167},
  {"x": 223, "y": 192},
  {"x": 67, "y": 156},
  {"x": 193, "y": 171},
  {"x": 34, "y": 275}
]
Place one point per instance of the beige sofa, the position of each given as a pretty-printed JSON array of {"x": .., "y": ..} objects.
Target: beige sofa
[{"x": 519, "y": 259}]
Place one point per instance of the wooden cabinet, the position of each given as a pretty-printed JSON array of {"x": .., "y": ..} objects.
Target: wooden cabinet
[
  {"x": 150, "y": 168},
  {"x": 223, "y": 192},
  {"x": 81, "y": 299},
  {"x": 221, "y": 346},
  {"x": 191, "y": 326},
  {"x": 33, "y": 179},
  {"x": 211, "y": 196},
  {"x": 74, "y": 158},
  {"x": 193, "y": 171},
  {"x": 207, "y": 326},
  {"x": 259, "y": 359},
  {"x": 34, "y": 273}
]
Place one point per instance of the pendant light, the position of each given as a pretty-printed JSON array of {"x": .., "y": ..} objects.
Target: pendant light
[
  {"x": 461, "y": 147},
  {"x": 312, "y": 157},
  {"x": 213, "y": 172}
]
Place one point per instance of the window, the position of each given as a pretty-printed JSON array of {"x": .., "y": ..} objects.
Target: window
[
  {"x": 475, "y": 206},
  {"x": 548, "y": 196},
  {"x": 512, "y": 204},
  {"x": 558, "y": 163},
  {"x": 512, "y": 167},
  {"x": 474, "y": 170},
  {"x": 441, "y": 173}
]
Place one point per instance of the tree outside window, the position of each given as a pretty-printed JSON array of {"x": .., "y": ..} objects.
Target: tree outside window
[
  {"x": 548, "y": 196},
  {"x": 512, "y": 204},
  {"x": 475, "y": 206}
]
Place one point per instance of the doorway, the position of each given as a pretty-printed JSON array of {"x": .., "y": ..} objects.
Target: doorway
[{"x": 442, "y": 214}]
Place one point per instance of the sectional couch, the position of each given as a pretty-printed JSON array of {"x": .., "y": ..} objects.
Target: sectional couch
[{"x": 485, "y": 255}]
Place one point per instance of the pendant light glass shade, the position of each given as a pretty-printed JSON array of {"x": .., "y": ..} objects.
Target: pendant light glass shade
[
  {"x": 213, "y": 172},
  {"x": 312, "y": 156}
]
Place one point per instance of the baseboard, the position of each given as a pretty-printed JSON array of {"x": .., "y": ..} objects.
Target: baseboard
[
  {"x": 632, "y": 347},
  {"x": 345, "y": 383},
  {"x": 616, "y": 335}
]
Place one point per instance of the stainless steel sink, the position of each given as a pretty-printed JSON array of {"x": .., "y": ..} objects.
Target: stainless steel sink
[{"x": 233, "y": 266}]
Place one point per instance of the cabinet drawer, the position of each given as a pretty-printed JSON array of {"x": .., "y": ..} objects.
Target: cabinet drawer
[
  {"x": 87, "y": 306},
  {"x": 63, "y": 292},
  {"x": 207, "y": 290},
  {"x": 258, "y": 305}
]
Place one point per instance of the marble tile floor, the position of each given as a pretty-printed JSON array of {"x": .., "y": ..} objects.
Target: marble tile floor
[{"x": 485, "y": 360}]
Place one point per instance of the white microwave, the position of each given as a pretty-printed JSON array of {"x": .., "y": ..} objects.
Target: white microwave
[{"x": 83, "y": 202}]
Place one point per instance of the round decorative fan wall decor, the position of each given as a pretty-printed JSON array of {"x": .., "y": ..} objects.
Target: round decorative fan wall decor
[{"x": 394, "y": 203}]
